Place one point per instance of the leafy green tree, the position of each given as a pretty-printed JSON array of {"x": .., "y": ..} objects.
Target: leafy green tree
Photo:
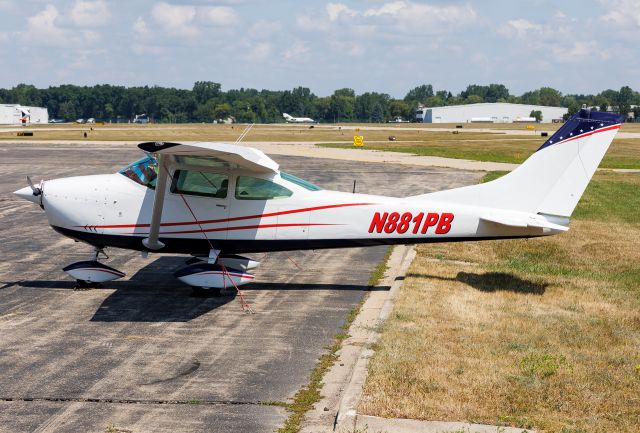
[
  {"x": 68, "y": 110},
  {"x": 205, "y": 90},
  {"x": 473, "y": 99},
  {"x": 435, "y": 101},
  {"x": 419, "y": 95},
  {"x": 399, "y": 108},
  {"x": 624, "y": 100},
  {"x": 206, "y": 112},
  {"x": 550, "y": 97},
  {"x": 343, "y": 105},
  {"x": 537, "y": 114}
]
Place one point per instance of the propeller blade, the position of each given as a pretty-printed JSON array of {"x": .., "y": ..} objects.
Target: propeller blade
[{"x": 36, "y": 191}]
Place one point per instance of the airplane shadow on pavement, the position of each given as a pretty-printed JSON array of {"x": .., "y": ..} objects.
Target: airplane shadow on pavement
[{"x": 152, "y": 294}]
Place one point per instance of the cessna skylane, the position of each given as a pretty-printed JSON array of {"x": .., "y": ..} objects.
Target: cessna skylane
[{"x": 218, "y": 201}]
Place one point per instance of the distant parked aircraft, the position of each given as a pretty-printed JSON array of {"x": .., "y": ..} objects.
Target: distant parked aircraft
[{"x": 291, "y": 119}]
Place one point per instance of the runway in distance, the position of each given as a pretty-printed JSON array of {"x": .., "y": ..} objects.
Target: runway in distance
[
  {"x": 216, "y": 201},
  {"x": 290, "y": 119}
]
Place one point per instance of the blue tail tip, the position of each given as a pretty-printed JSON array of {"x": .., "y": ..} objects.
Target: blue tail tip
[{"x": 583, "y": 124}]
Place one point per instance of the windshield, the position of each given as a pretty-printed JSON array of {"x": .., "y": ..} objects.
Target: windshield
[
  {"x": 300, "y": 182},
  {"x": 144, "y": 172}
]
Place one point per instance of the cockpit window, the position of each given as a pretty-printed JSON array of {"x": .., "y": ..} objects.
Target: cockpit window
[
  {"x": 144, "y": 172},
  {"x": 300, "y": 182}
]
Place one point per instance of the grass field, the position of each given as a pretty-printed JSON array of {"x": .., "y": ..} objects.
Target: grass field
[
  {"x": 624, "y": 153},
  {"x": 541, "y": 333}
]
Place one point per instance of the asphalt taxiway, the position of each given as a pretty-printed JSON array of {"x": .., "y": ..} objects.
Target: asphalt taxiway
[{"x": 143, "y": 354}]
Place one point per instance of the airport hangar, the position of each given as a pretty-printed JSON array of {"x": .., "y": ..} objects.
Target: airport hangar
[
  {"x": 498, "y": 112},
  {"x": 12, "y": 114}
]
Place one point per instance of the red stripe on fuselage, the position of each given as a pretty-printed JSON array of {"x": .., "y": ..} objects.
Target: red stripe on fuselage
[
  {"x": 188, "y": 223},
  {"x": 222, "y": 229}
]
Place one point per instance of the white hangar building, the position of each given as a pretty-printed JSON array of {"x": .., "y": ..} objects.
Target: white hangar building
[
  {"x": 499, "y": 112},
  {"x": 13, "y": 114}
]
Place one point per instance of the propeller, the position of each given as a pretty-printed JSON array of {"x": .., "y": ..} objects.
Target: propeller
[{"x": 36, "y": 189}]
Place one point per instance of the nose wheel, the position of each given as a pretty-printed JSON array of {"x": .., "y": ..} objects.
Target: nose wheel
[{"x": 90, "y": 274}]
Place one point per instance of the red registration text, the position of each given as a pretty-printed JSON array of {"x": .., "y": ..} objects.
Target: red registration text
[{"x": 395, "y": 222}]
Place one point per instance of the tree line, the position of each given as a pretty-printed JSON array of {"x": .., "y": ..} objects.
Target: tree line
[{"x": 207, "y": 102}]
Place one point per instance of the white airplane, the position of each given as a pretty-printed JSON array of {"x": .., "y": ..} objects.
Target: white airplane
[
  {"x": 215, "y": 201},
  {"x": 291, "y": 119}
]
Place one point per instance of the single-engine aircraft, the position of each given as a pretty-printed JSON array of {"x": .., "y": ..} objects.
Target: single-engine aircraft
[
  {"x": 217, "y": 201},
  {"x": 290, "y": 119}
]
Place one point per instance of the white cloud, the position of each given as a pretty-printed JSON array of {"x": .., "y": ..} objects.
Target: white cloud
[
  {"x": 393, "y": 8},
  {"x": 178, "y": 20},
  {"x": 623, "y": 18},
  {"x": 308, "y": 23},
  {"x": 43, "y": 27},
  {"x": 264, "y": 29},
  {"x": 297, "y": 50},
  {"x": 260, "y": 51},
  {"x": 577, "y": 52},
  {"x": 140, "y": 27},
  {"x": 6, "y": 5},
  {"x": 49, "y": 28},
  {"x": 553, "y": 38},
  {"x": 218, "y": 16},
  {"x": 353, "y": 49},
  {"x": 520, "y": 28},
  {"x": 90, "y": 13},
  {"x": 397, "y": 18},
  {"x": 335, "y": 10},
  {"x": 622, "y": 12}
]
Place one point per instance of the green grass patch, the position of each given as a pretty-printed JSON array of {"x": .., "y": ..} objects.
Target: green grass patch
[
  {"x": 609, "y": 196},
  {"x": 378, "y": 271},
  {"x": 512, "y": 149}
]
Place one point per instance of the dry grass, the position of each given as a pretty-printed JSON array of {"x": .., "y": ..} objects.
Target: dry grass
[
  {"x": 210, "y": 132},
  {"x": 539, "y": 333}
]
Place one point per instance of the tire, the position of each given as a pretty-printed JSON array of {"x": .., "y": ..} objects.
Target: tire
[{"x": 204, "y": 292}]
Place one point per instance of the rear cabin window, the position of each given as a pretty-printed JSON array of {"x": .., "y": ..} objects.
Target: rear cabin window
[
  {"x": 144, "y": 172},
  {"x": 253, "y": 188},
  {"x": 300, "y": 182},
  {"x": 200, "y": 183}
]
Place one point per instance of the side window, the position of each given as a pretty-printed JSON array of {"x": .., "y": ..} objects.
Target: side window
[
  {"x": 200, "y": 183},
  {"x": 253, "y": 188}
]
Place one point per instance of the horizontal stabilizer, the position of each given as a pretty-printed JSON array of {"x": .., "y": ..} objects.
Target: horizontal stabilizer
[{"x": 525, "y": 220}]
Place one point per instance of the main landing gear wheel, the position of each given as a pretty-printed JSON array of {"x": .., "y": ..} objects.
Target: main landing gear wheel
[
  {"x": 87, "y": 285},
  {"x": 206, "y": 292}
]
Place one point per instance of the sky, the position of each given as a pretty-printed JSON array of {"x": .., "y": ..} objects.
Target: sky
[{"x": 575, "y": 46}]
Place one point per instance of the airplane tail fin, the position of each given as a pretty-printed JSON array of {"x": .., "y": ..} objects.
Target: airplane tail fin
[
  {"x": 552, "y": 180},
  {"x": 287, "y": 116}
]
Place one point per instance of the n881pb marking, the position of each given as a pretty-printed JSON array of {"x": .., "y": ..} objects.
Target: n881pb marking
[{"x": 395, "y": 222}]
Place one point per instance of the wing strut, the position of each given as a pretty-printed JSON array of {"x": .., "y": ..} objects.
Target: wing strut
[{"x": 152, "y": 241}]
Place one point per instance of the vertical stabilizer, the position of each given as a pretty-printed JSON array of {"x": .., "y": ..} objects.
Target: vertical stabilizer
[{"x": 552, "y": 180}]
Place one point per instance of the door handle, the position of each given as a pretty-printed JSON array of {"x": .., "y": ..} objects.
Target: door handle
[{"x": 224, "y": 206}]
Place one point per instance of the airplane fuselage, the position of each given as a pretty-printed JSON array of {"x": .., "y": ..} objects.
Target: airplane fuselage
[{"x": 114, "y": 211}]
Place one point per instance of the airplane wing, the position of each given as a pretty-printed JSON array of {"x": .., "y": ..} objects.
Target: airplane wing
[{"x": 231, "y": 154}]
